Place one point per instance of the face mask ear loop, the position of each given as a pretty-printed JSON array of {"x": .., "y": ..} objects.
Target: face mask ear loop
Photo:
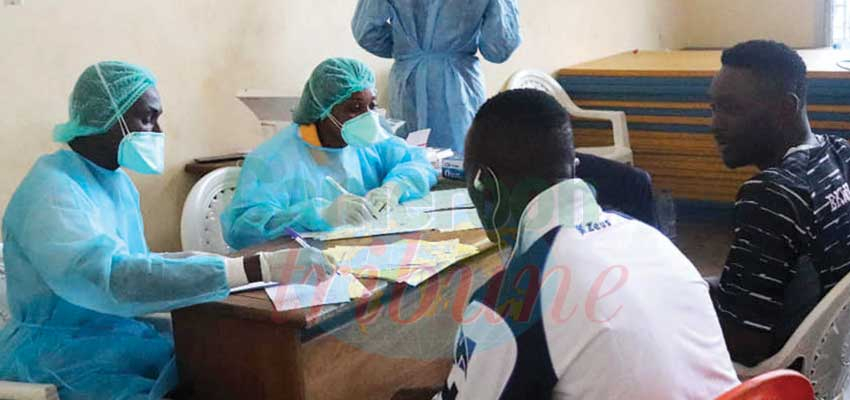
[{"x": 335, "y": 121}]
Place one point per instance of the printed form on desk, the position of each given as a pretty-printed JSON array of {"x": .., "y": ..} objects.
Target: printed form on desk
[
  {"x": 444, "y": 211},
  {"x": 408, "y": 261},
  {"x": 310, "y": 290}
]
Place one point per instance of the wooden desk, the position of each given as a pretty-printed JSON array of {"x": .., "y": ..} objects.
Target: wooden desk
[
  {"x": 401, "y": 337},
  {"x": 664, "y": 95}
]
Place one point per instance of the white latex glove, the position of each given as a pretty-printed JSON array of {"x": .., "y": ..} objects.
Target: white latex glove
[
  {"x": 235, "y": 270},
  {"x": 385, "y": 197},
  {"x": 295, "y": 265},
  {"x": 348, "y": 209}
]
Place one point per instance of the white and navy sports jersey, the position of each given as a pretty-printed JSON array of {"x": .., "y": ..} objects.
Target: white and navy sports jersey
[
  {"x": 797, "y": 210},
  {"x": 592, "y": 305}
]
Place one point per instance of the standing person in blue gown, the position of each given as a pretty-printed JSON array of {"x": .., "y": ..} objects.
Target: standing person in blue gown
[{"x": 436, "y": 81}]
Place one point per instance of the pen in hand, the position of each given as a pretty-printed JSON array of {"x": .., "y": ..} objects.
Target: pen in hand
[
  {"x": 342, "y": 190},
  {"x": 303, "y": 243}
]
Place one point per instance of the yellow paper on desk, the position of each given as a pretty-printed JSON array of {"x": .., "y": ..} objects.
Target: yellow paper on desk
[{"x": 408, "y": 261}]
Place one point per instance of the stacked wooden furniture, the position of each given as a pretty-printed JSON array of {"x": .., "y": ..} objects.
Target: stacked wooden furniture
[{"x": 664, "y": 95}]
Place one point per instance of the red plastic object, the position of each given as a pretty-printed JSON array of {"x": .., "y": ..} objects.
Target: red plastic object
[{"x": 782, "y": 384}]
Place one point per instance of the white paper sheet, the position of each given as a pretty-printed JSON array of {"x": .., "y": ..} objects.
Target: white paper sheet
[{"x": 419, "y": 138}]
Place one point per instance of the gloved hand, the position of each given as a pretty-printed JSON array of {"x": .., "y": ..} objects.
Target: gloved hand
[
  {"x": 235, "y": 270},
  {"x": 386, "y": 196},
  {"x": 295, "y": 265},
  {"x": 348, "y": 209}
]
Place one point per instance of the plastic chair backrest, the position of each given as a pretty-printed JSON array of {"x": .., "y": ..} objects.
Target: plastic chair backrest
[
  {"x": 821, "y": 342},
  {"x": 200, "y": 227},
  {"x": 534, "y": 79},
  {"x": 775, "y": 385}
]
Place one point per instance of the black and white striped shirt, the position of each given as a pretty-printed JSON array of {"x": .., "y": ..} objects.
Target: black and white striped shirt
[{"x": 799, "y": 210}]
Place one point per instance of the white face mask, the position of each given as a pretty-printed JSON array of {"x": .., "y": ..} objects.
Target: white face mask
[{"x": 143, "y": 152}]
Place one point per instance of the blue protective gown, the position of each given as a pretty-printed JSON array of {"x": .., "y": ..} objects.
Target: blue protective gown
[
  {"x": 436, "y": 80},
  {"x": 283, "y": 183},
  {"x": 78, "y": 271}
]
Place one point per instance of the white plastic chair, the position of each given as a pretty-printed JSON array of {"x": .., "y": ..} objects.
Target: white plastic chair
[
  {"x": 822, "y": 343},
  {"x": 621, "y": 150},
  {"x": 200, "y": 228},
  {"x": 17, "y": 390}
]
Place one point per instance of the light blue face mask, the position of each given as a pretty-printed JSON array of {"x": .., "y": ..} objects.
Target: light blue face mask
[
  {"x": 143, "y": 152},
  {"x": 363, "y": 130}
]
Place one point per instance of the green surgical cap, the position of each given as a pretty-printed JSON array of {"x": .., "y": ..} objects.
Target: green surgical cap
[
  {"x": 332, "y": 82},
  {"x": 94, "y": 109}
]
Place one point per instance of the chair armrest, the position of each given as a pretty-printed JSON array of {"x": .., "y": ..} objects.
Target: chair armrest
[{"x": 618, "y": 123}]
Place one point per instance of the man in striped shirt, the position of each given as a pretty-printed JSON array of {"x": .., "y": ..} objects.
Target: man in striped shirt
[{"x": 792, "y": 220}]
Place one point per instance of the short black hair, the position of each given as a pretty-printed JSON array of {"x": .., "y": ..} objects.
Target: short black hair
[
  {"x": 521, "y": 133},
  {"x": 775, "y": 63}
]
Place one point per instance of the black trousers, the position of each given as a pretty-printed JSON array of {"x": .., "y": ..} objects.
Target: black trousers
[{"x": 619, "y": 187}]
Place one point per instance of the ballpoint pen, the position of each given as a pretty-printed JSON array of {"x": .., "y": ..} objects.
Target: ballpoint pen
[
  {"x": 297, "y": 238},
  {"x": 342, "y": 190},
  {"x": 303, "y": 243}
]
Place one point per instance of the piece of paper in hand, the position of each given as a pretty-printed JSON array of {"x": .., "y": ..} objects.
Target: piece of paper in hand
[
  {"x": 419, "y": 138},
  {"x": 251, "y": 286}
]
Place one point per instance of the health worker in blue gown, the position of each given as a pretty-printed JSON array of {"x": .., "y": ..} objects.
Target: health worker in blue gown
[
  {"x": 337, "y": 165},
  {"x": 78, "y": 268}
]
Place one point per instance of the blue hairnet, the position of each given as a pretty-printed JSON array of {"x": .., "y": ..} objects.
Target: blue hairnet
[
  {"x": 332, "y": 82},
  {"x": 91, "y": 111}
]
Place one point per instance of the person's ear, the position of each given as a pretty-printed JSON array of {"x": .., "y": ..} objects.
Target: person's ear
[
  {"x": 477, "y": 184},
  {"x": 791, "y": 104},
  {"x": 484, "y": 186},
  {"x": 485, "y": 182}
]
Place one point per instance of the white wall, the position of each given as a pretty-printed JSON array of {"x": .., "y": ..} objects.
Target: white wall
[
  {"x": 722, "y": 23},
  {"x": 205, "y": 51}
]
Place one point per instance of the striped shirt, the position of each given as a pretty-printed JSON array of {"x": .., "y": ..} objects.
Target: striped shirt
[{"x": 796, "y": 212}]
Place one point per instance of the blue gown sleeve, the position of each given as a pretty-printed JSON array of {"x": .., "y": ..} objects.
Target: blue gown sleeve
[
  {"x": 407, "y": 165},
  {"x": 84, "y": 262},
  {"x": 261, "y": 209},
  {"x": 499, "y": 31},
  {"x": 371, "y": 27}
]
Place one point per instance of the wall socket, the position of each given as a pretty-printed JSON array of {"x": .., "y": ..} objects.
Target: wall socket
[{"x": 13, "y": 2}]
